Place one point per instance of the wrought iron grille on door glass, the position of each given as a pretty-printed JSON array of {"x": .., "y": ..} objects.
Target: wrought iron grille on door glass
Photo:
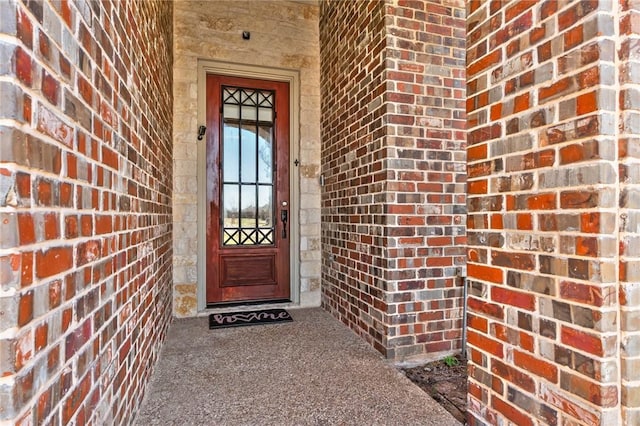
[{"x": 247, "y": 167}]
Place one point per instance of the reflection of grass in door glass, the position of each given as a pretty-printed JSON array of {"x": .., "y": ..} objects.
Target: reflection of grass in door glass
[
  {"x": 231, "y": 242},
  {"x": 250, "y": 236},
  {"x": 232, "y": 238},
  {"x": 246, "y": 223}
]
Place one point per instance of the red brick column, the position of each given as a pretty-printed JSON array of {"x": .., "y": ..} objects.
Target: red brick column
[
  {"x": 85, "y": 207},
  {"x": 352, "y": 44},
  {"x": 426, "y": 179},
  {"x": 393, "y": 155},
  {"x": 543, "y": 213},
  {"x": 629, "y": 246}
]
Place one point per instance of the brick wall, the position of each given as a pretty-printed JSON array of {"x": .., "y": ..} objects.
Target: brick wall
[
  {"x": 393, "y": 158},
  {"x": 85, "y": 206},
  {"x": 426, "y": 180},
  {"x": 544, "y": 185},
  {"x": 629, "y": 246},
  {"x": 352, "y": 42},
  {"x": 284, "y": 34}
]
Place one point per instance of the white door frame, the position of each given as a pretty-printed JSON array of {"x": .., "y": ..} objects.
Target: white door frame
[{"x": 263, "y": 73}]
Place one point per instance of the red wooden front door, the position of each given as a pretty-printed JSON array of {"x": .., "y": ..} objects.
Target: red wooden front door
[{"x": 247, "y": 190}]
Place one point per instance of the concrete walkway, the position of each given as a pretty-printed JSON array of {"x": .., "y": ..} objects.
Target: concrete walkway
[{"x": 313, "y": 371}]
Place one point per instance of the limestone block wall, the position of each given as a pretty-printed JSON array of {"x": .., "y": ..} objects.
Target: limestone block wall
[
  {"x": 553, "y": 230},
  {"x": 393, "y": 155},
  {"x": 284, "y": 34},
  {"x": 85, "y": 207}
]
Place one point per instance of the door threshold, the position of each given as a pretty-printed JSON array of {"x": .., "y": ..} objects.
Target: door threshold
[
  {"x": 246, "y": 302},
  {"x": 247, "y": 306}
]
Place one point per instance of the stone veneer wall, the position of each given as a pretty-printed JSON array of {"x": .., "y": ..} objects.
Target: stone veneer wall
[
  {"x": 284, "y": 34},
  {"x": 85, "y": 207},
  {"x": 393, "y": 158},
  {"x": 553, "y": 212}
]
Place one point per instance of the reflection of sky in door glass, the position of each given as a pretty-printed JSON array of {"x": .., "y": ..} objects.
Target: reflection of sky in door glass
[
  {"x": 248, "y": 150},
  {"x": 236, "y": 139}
]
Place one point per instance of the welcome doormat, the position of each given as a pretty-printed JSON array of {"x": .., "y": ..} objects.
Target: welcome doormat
[{"x": 238, "y": 319}]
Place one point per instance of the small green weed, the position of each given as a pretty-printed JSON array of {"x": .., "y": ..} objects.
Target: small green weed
[{"x": 450, "y": 361}]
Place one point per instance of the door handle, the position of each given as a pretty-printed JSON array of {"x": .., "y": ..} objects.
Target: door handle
[{"x": 284, "y": 217}]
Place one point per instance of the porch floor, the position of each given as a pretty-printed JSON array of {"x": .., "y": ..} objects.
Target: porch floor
[{"x": 313, "y": 371}]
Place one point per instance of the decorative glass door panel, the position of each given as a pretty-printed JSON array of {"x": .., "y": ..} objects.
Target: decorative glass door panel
[
  {"x": 248, "y": 191},
  {"x": 247, "y": 166}
]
